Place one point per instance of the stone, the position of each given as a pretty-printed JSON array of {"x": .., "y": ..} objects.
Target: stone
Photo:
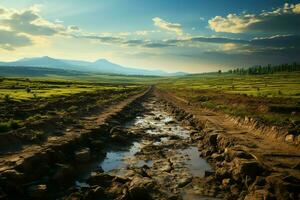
[
  {"x": 259, "y": 195},
  {"x": 234, "y": 189},
  {"x": 226, "y": 182},
  {"x": 289, "y": 138},
  {"x": 64, "y": 174},
  {"x": 206, "y": 152},
  {"x": 213, "y": 139},
  {"x": 249, "y": 168},
  {"x": 231, "y": 153},
  {"x": 217, "y": 157},
  {"x": 100, "y": 179},
  {"x": 83, "y": 155},
  {"x": 222, "y": 173},
  {"x": 12, "y": 174},
  {"x": 139, "y": 188},
  {"x": 184, "y": 181},
  {"x": 37, "y": 191}
]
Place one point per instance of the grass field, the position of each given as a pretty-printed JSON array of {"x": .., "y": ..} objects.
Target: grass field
[
  {"x": 24, "y": 101},
  {"x": 286, "y": 85},
  {"x": 18, "y": 89},
  {"x": 271, "y": 99}
]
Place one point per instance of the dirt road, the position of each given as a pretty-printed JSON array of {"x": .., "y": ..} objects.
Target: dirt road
[{"x": 154, "y": 146}]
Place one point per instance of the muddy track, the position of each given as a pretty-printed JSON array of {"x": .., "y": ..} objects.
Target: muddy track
[
  {"x": 52, "y": 160},
  {"x": 249, "y": 165},
  {"x": 148, "y": 147}
]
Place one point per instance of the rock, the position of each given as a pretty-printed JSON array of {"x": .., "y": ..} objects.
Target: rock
[
  {"x": 289, "y": 138},
  {"x": 222, "y": 173},
  {"x": 170, "y": 122},
  {"x": 118, "y": 138},
  {"x": 213, "y": 139},
  {"x": 249, "y": 168},
  {"x": 217, "y": 157},
  {"x": 96, "y": 192},
  {"x": 184, "y": 181},
  {"x": 14, "y": 175},
  {"x": 157, "y": 118},
  {"x": 231, "y": 153},
  {"x": 234, "y": 189},
  {"x": 139, "y": 188},
  {"x": 83, "y": 155},
  {"x": 280, "y": 188},
  {"x": 37, "y": 191},
  {"x": 206, "y": 152},
  {"x": 259, "y": 195},
  {"x": 100, "y": 179},
  {"x": 223, "y": 142},
  {"x": 115, "y": 190},
  {"x": 226, "y": 182},
  {"x": 116, "y": 130},
  {"x": 166, "y": 168},
  {"x": 64, "y": 174}
]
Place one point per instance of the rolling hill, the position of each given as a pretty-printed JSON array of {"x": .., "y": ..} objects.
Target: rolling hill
[{"x": 99, "y": 66}]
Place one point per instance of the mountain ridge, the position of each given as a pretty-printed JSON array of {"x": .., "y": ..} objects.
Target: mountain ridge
[{"x": 98, "y": 66}]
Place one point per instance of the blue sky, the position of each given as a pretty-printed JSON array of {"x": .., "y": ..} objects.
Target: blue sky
[{"x": 173, "y": 35}]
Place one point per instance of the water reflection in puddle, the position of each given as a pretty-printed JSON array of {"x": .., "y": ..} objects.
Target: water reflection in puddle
[
  {"x": 157, "y": 122},
  {"x": 115, "y": 159},
  {"x": 196, "y": 165}
]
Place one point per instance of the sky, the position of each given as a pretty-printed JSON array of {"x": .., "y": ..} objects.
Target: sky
[{"x": 171, "y": 35}]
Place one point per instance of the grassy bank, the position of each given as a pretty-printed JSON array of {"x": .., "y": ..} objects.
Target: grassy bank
[
  {"x": 272, "y": 99},
  {"x": 24, "y": 101}
]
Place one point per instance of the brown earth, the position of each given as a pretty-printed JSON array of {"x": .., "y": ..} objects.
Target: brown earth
[
  {"x": 247, "y": 164},
  {"x": 279, "y": 160}
]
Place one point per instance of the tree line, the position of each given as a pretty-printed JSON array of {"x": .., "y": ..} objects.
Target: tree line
[{"x": 268, "y": 69}]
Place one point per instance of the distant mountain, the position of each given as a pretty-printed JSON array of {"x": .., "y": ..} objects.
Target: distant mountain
[
  {"x": 36, "y": 71},
  {"x": 99, "y": 66}
]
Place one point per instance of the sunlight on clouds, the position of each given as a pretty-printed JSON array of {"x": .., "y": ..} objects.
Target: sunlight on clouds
[
  {"x": 174, "y": 27},
  {"x": 281, "y": 19}
]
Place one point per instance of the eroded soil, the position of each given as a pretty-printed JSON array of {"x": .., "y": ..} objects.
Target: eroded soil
[{"x": 154, "y": 146}]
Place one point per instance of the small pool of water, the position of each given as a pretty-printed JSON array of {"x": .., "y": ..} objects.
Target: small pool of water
[
  {"x": 115, "y": 159},
  {"x": 196, "y": 165}
]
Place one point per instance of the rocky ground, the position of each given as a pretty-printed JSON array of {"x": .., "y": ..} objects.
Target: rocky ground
[{"x": 156, "y": 147}]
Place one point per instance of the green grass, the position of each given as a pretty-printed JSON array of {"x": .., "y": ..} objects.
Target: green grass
[
  {"x": 18, "y": 89},
  {"x": 24, "y": 101},
  {"x": 272, "y": 99},
  {"x": 285, "y": 85}
]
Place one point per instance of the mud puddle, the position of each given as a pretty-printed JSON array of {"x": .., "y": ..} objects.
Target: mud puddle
[
  {"x": 196, "y": 165},
  {"x": 164, "y": 152}
]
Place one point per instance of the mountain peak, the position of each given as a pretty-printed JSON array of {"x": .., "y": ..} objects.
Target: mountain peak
[
  {"x": 102, "y": 60},
  {"x": 98, "y": 66}
]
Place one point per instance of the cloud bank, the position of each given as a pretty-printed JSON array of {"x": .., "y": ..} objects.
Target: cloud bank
[
  {"x": 281, "y": 20},
  {"x": 173, "y": 27}
]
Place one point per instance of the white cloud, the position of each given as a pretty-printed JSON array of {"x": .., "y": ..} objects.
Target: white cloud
[
  {"x": 9, "y": 40},
  {"x": 284, "y": 19},
  {"x": 174, "y": 27},
  {"x": 28, "y": 21}
]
